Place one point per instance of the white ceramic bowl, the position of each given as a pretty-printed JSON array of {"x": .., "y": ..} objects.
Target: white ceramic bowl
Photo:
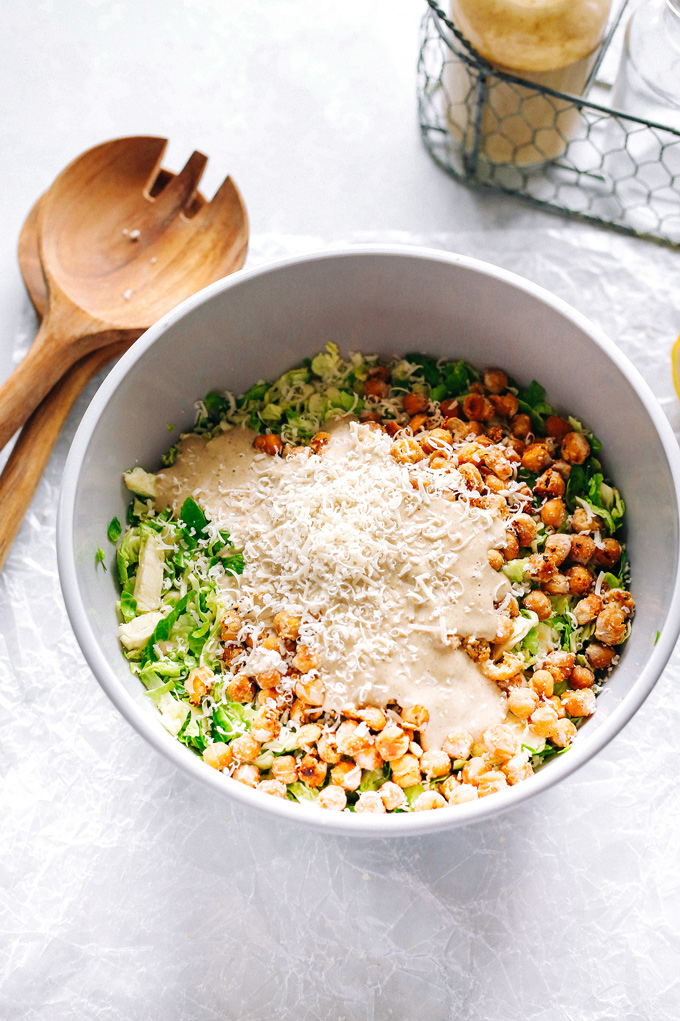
[{"x": 388, "y": 300}]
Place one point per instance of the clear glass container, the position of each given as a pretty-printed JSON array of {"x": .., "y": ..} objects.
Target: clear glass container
[
  {"x": 552, "y": 43},
  {"x": 648, "y": 84}
]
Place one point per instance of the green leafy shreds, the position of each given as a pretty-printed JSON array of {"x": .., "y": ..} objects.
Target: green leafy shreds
[
  {"x": 514, "y": 569},
  {"x": 538, "y": 758},
  {"x": 564, "y": 627},
  {"x": 127, "y": 555},
  {"x": 586, "y": 488},
  {"x": 299, "y": 791},
  {"x": 192, "y": 733},
  {"x": 372, "y": 780},
  {"x": 100, "y": 558},
  {"x": 192, "y": 522},
  {"x": 445, "y": 378},
  {"x": 530, "y": 642},
  {"x": 170, "y": 457},
  {"x": 413, "y": 792},
  {"x": 229, "y": 721},
  {"x": 532, "y": 402},
  {"x": 163, "y": 630},
  {"x": 127, "y": 606},
  {"x": 115, "y": 530}
]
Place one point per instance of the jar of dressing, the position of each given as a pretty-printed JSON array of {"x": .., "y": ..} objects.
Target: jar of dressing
[{"x": 552, "y": 43}]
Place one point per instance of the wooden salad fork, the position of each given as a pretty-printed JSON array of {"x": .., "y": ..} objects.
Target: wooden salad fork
[
  {"x": 116, "y": 257},
  {"x": 34, "y": 445}
]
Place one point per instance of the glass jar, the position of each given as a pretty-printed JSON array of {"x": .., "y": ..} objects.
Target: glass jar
[
  {"x": 552, "y": 43},
  {"x": 648, "y": 83}
]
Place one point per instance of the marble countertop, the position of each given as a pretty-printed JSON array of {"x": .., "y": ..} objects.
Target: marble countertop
[{"x": 128, "y": 891}]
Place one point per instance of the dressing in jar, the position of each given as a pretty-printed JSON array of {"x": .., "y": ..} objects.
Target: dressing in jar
[{"x": 552, "y": 43}]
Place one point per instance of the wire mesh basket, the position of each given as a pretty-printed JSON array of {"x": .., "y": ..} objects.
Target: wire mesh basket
[{"x": 498, "y": 130}]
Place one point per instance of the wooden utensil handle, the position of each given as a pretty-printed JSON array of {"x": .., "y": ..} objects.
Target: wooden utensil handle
[
  {"x": 50, "y": 355},
  {"x": 35, "y": 443}
]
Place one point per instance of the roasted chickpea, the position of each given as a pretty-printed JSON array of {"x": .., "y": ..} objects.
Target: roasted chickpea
[
  {"x": 312, "y": 771},
  {"x": 373, "y": 717},
  {"x": 536, "y": 458},
  {"x": 582, "y": 548},
  {"x": 539, "y": 603},
  {"x": 230, "y": 625},
  {"x": 556, "y": 427},
  {"x": 352, "y": 738},
  {"x": 434, "y": 763},
  {"x": 305, "y": 659},
  {"x": 241, "y": 689},
  {"x": 608, "y": 553},
  {"x": 376, "y": 389},
  {"x": 415, "y": 716},
  {"x": 582, "y": 677},
  {"x": 284, "y": 768},
  {"x": 477, "y": 408},
  {"x": 218, "y": 755},
  {"x": 582, "y": 521},
  {"x": 521, "y": 426},
  {"x": 543, "y": 720},
  {"x": 558, "y": 547},
  {"x": 458, "y": 744},
  {"x": 619, "y": 597},
  {"x": 406, "y": 451},
  {"x": 563, "y": 733},
  {"x": 392, "y": 796},
  {"x": 471, "y": 476},
  {"x": 269, "y": 444},
  {"x": 436, "y": 440},
  {"x": 415, "y": 403},
  {"x": 580, "y": 580},
  {"x": 560, "y": 665},
  {"x": 558, "y": 585},
  {"x": 554, "y": 513},
  {"x": 495, "y": 558},
  {"x": 333, "y": 799},
  {"x": 392, "y": 742},
  {"x": 450, "y": 408},
  {"x": 522, "y": 702},
  {"x": 550, "y": 483},
  {"x": 610, "y": 626},
  {"x": 541, "y": 567},
  {"x": 575, "y": 448},
  {"x": 418, "y": 422},
  {"x": 247, "y": 774},
  {"x": 245, "y": 748},
  {"x": 587, "y": 609},
  {"x": 579, "y": 703},
  {"x": 495, "y": 380},
  {"x": 327, "y": 749},
  {"x": 406, "y": 770},
  {"x": 599, "y": 656},
  {"x": 517, "y": 768},
  {"x": 511, "y": 546},
  {"x": 525, "y": 528},
  {"x": 506, "y": 405},
  {"x": 543, "y": 683},
  {"x": 346, "y": 775}
]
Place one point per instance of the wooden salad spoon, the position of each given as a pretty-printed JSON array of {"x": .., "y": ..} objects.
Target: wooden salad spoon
[
  {"x": 116, "y": 257},
  {"x": 34, "y": 445}
]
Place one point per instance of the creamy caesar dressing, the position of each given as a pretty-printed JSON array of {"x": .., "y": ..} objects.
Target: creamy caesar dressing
[
  {"x": 386, "y": 575},
  {"x": 552, "y": 43}
]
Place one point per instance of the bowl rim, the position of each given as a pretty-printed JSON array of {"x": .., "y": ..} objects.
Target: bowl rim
[{"x": 345, "y": 823}]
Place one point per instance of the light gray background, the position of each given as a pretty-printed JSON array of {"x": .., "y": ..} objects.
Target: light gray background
[{"x": 128, "y": 892}]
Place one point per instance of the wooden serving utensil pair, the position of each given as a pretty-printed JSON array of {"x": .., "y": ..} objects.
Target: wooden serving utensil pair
[{"x": 114, "y": 244}]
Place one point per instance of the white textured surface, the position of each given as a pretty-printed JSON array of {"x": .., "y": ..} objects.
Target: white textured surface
[{"x": 126, "y": 891}]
